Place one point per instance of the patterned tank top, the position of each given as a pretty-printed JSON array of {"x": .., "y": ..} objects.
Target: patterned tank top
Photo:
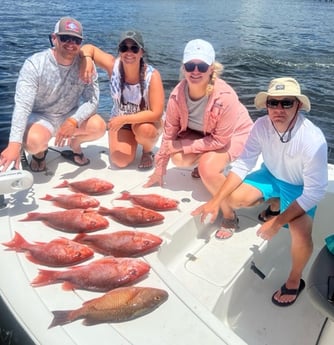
[{"x": 131, "y": 93}]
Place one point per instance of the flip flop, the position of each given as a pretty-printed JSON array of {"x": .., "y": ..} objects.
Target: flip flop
[
  {"x": 147, "y": 161},
  {"x": 228, "y": 227},
  {"x": 195, "y": 173},
  {"x": 39, "y": 161},
  {"x": 70, "y": 155},
  {"x": 267, "y": 213},
  {"x": 286, "y": 291}
]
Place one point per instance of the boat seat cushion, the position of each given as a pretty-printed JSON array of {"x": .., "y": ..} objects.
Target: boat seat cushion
[{"x": 321, "y": 270}]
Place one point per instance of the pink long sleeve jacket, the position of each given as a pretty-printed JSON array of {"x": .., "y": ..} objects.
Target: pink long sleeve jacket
[{"x": 225, "y": 119}]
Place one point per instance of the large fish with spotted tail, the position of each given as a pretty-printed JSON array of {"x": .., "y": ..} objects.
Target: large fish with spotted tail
[
  {"x": 100, "y": 275},
  {"x": 118, "y": 305}
]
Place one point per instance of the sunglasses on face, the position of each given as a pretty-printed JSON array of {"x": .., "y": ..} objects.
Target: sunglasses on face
[
  {"x": 190, "y": 67},
  {"x": 124, "y": 48},
  {"x": 285, "y": 103},
  {"x": 69, "y": 38}
]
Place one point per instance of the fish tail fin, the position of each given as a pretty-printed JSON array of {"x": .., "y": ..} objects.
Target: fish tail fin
[
  {"x": 104, "y": 211},
  {"x": 17, "y": 243},
  {"x": 125, "y": 195},
  {"x": 47, "y": 197},
  {"x": 45, "y": 277},
  {"x": 60, "y": 317},
  {"x": 68, "y": 286},
  {"x": 64, "y": 184},
  {"x": 79, "y": 238},
  {"x": 31, "y": 216}
]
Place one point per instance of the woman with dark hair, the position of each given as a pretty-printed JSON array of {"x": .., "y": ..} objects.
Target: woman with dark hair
[{"x": 138, "y": 99}]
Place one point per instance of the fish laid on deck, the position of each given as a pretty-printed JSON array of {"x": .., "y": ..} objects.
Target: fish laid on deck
[
  {"x": 125, "y": 243},
  {"x": 58, "y": 252},
  {"x": 132, "y": 216},
  {"x": 119, "y": 305},
  {"x": 100, "y": 275},
  {"x": 75, "y": 220},
  {"x": 74, "y": 200},
  {"x": 152, "y": 201},
  {"x": 92, "y": 186}
]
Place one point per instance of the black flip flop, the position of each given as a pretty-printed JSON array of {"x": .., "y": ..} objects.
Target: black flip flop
[
  {"x": 69, "y": 155},
  {"x": 267, "y": 213},
  {"x": 195, "y": 173},
  {"x": 39, "y": 161},
  {"x": 286, "y": 291}
]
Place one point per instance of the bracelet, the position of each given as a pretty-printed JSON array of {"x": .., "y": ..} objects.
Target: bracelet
[
  {"x": 88, "y": 56},
  {"x": 72, "y": 121}
]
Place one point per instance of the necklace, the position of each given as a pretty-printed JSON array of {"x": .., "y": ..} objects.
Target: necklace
[{"x": 287, "y": 131}]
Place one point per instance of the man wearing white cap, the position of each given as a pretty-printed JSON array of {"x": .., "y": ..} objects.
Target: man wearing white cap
[
  {"x": 51, "y": 100},
  {"x": 294, "y": 170}
]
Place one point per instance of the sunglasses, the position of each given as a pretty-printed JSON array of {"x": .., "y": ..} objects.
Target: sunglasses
[
  {"x": 285, "y": 103},
  {"x": 190, "y": 67},
  {"x": 124, "y": 48},
  {"x": 69, "y": 38}
]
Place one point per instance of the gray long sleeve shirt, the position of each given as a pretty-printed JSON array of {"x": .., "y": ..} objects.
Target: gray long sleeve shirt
[{"x": 52, "y": 91}]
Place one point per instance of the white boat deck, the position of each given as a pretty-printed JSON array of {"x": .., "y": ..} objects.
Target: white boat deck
[{"x": 214, "y": 295}]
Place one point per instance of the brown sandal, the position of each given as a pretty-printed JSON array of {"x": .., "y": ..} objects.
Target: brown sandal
[
  {"x": 147, "y": 161},
  {"x": 195, "y": 173},
  {"x": 227, "y": 228}
]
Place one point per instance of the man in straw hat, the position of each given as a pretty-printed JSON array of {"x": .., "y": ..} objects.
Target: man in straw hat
[{"x": 294, "y": 171}]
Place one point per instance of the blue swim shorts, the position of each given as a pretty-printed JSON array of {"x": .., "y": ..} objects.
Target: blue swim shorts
[{"x": 271, "y": 187}]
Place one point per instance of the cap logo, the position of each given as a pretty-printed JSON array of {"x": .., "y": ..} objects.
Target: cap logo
[
  {"x": 131, "y": 34},
  {"x": 280, "y": 87},
  {"x": 70, "y": 26}
]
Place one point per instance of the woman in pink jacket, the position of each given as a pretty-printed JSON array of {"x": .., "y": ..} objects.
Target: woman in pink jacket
[{"x": 206, "y": 125}]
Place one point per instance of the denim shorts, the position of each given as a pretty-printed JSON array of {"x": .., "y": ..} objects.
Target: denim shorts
[{"x": 271, "y": 187}]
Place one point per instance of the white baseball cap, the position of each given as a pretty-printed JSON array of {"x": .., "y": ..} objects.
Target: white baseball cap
[{"x": 199, "y": 49}]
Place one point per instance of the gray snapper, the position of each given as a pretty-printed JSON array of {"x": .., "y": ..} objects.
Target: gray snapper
[{"x": 119, "y": 305}]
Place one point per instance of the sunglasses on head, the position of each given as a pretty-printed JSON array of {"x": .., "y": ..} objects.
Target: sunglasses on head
[
  {"x": 285, "y": 103},
  {"x": 69, "y": 38},
  {"x": 190, "y": 66},
  {"x": 124, "y": 48}
]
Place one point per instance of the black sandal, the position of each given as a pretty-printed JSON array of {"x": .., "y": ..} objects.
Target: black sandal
[
  {"x": 70, "y": 156},
  {"x": 268, "y": 213},
  {"x": 195, "y": 173},
  {"x": 39, "y": 162}
]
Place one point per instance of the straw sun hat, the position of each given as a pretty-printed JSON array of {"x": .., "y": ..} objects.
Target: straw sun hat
[{"x": 279, "y": 87}]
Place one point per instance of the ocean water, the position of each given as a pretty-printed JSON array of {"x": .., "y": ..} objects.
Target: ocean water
[{"x": 255, "y": 40}]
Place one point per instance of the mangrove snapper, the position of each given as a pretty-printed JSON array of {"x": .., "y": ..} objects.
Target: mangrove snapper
[{"x": 119, "y": 305}]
